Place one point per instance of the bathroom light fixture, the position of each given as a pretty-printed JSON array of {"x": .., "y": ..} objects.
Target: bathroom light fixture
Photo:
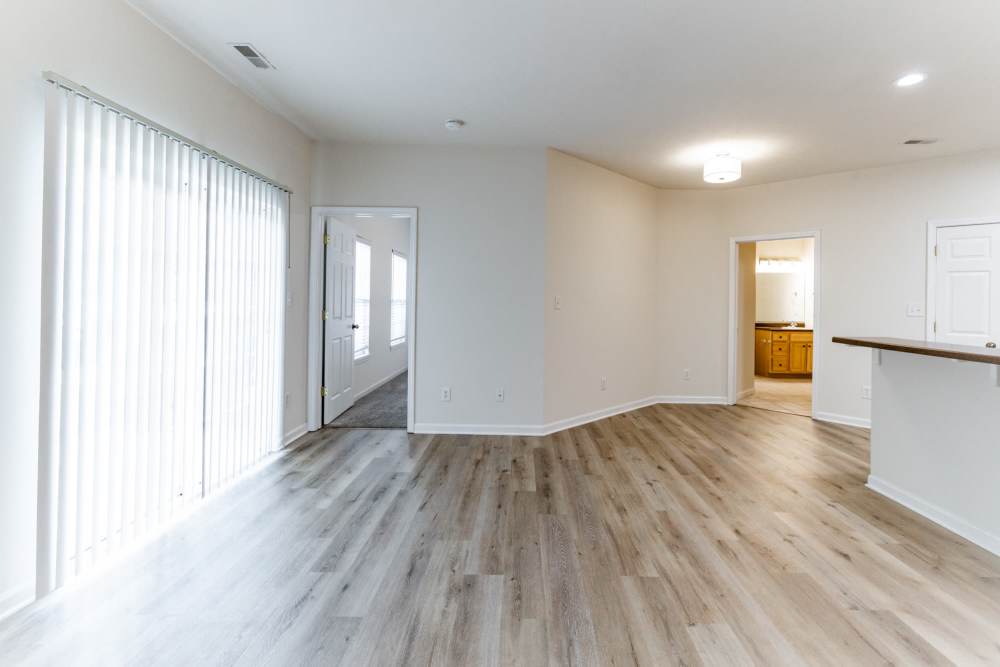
[
  {"x": 723, "y": 168},
  {"x": 911, "y": 79}
]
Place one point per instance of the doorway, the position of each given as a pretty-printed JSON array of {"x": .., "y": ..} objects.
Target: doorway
[
  {"x": 362, "y": 317},
  {"x": 773, "y": 323}
]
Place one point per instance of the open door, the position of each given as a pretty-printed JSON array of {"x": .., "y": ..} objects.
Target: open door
[{"x": 338, "y": 323}]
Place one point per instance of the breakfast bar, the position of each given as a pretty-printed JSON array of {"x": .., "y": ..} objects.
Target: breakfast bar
[{"x": 935, "y": 432}]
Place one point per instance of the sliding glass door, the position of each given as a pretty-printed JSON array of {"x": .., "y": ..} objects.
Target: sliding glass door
[{"x": 163, "y": 296}]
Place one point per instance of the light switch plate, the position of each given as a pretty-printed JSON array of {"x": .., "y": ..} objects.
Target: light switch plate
[{"x": 915, "y": 310}]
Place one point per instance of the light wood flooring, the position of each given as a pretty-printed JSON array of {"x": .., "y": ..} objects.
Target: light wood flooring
[
  {"x": 670, "y": 535},
  {"x": 791, "y": 395}
]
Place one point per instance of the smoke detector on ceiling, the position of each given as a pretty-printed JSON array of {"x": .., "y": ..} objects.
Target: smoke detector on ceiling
[
  {"x": 919, "y": 142},
  {"x": 454, "y": 124},
  {"x": 253, "y": 55}
]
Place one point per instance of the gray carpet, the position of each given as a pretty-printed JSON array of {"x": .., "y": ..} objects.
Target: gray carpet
[{"x": 383, "y": 408}]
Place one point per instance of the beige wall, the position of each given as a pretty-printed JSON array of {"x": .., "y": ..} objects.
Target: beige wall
[
  {"x": 600, "y": 260},
  {"x": 384, "y": 362},
  {"x": 747, "y": 308},
  {"x": 872, "y": 262},
  {"x": 105, "y": 45},
  {"x": 481, "y": 255}
]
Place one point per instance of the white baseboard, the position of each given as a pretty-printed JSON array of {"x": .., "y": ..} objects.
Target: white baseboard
[
  {"x": 693, "y": 400},
  {"x": 562, "y": 424},
  {"x": 942, "y": 517},
  {"x": 586, "y": 418},
  {"x": 746, "y": 393},
  {"x": 477, "y": 429},
  {"x": 844, "y": 420},
  {"x": 389, "y": 378},
  {"x": 16, "y": 599},
  {"x": 295, "y": 434}
]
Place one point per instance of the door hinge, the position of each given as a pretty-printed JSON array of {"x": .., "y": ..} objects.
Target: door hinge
[
  {"x": 326, "y": 239},
  {"x": 935, "y": 250},
  {"x": 326, "y": 314},
  {"x": 935, "y": 327},
  {"x": 322, "y": 392}
]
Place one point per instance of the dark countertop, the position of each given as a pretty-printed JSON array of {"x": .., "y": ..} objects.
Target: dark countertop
[
  {"x": 926, "y": 348},
  {"x": 770, "y": 328}
]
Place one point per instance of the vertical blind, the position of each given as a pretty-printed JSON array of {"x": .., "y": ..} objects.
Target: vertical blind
[{"x": 162, "y": 329}]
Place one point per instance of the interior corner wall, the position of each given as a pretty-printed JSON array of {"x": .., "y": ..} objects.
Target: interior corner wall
[
  {"x": 110, "y": 48},
  {"x": 872, "y": 263},
  {"x": 600, "y": 262},
  {"x": 481, "y": 254}
]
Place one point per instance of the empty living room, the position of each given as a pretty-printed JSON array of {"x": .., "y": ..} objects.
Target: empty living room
[{"x": 368, "y": 332}]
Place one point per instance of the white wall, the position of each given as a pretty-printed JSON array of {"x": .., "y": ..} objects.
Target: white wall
[
  {"x": 872, "y": 262},
  {"x": 383, "y": 362},
  {"x": 108, "y": 47},
  {"x": 600, "y": 260},
  {"x": 481, "y": 255}
]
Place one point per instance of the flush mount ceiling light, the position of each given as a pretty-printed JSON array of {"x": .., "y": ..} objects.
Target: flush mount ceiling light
[
  {"x": 723, "y": 168},
  {"x": 911, "y": 79},
  {"x": 454, "y": 124}
]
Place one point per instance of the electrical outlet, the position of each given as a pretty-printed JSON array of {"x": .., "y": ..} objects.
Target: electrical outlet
[
  {"x": 500, "y": 395},
  {"x": 446, "y": 393},
  {"x": 686, "y": 374},
  {"x": 604, "y": 383},
  {"x": 915, "y": 310},
  {"x": 866, "y": 392},
  {"x": 557, "y": 303}
]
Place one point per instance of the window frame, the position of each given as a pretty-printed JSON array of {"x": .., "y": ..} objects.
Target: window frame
[
  {"x": 406, "y": 294},
  {"x": 371, "y": 292}
]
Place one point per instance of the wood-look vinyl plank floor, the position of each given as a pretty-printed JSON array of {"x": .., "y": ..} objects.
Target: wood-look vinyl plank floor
[
  {"x": 694, "y": 535},
  {"x": 791, "y": 395}
]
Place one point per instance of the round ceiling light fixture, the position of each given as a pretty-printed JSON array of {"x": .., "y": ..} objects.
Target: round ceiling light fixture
[
  {"x": 911, "y": 79},
  {"x": 723, "y": 168},
  {"x": 454, "y": 124}
]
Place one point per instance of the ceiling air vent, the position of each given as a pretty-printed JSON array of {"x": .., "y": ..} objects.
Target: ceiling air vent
[
  {"x": 253, "y": 55},
  {"x": 919, "y": 142}
]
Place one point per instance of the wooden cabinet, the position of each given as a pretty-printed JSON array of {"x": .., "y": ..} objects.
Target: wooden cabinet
[{"x": 783, "y": 352}]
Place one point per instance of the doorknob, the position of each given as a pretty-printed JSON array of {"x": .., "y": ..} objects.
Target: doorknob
[
  {"x": 991, "y": 345},
  {"x": 355, "y": 326}
]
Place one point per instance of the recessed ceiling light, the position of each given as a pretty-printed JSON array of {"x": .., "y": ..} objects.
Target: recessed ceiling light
[
  {"x": 910, "y": 79},
  {"x": 454, "y": 124}
]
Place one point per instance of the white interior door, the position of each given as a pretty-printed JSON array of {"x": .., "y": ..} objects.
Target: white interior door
[
  {"x": 338, "y": 353},
  {"x": 967, "y": 284}
]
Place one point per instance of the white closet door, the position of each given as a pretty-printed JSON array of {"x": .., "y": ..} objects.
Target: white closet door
[
  {"x": 338, "y": 352},
  {"x": 967, "y": 284}
]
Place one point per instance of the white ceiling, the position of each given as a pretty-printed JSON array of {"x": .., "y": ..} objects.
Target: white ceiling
[{"x": 801, "y": 86}]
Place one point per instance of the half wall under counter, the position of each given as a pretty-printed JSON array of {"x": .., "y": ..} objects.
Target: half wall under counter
[{"x": 935, "y": 432}]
